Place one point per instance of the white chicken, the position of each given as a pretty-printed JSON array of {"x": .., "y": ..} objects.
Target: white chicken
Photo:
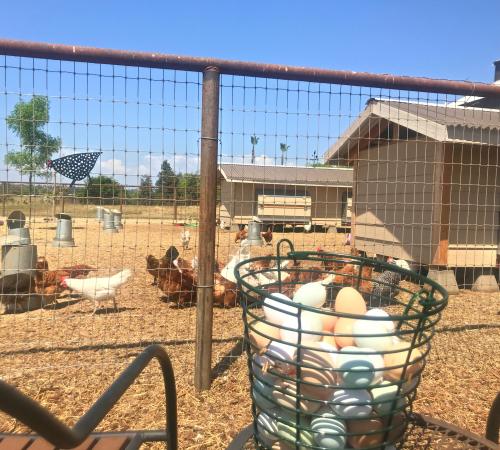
[
  {"x": 98, "y": 289},
  {"x": 185, "y": 238}
]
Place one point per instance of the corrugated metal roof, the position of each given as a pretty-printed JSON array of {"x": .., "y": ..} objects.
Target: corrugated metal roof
[
  {"x": 449, "y": 115},
  {"x": 302, "y": 176}
]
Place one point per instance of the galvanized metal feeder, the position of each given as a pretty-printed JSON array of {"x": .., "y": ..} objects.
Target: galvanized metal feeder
[
  {"x": 254, "y": 238},
  {"x": 117, "y": 219},
  {"x": 108, "y": 223},
  {"x": 327, "y": 370},
  {"x": 99, "y": 213},
  {"x": 64, "y": 231}
]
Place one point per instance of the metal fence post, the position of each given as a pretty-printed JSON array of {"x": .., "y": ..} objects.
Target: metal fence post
[{"x": 207, "y": 217}]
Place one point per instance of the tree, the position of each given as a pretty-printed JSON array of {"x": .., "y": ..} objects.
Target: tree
[
  {"x": 189, "y": 186},
  {"x": 101, "y": 187},
  {"x": 27, "y": 121},
  {"x": 166, "y": 181},
  {"x": 284, "y": 148},
  {"x": 146, "y": 187},
  {"x": 254, "y": 140}
]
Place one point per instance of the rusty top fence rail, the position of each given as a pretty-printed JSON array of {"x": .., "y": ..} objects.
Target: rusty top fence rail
[{"x": 198, "y": 64}]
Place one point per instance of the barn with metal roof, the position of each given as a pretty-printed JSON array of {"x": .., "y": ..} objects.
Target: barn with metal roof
[{"x": 285, "y": 195}]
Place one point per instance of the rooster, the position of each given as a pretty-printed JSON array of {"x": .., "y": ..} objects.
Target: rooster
[
  {"x": 268, "y": 235},
  {"x": 185, "y": 238},
  {"x": 98, "y": 289}
]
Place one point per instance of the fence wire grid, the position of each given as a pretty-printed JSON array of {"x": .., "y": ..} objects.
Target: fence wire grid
[{"x": 383, "y": 172}]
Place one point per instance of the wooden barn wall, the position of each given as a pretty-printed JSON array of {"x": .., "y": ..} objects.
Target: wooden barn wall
[{"x": 396, "y": 199}]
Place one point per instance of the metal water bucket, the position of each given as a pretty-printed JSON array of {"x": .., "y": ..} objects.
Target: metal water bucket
[
  {"x": 64, "y": 231},
  {"x": 23, "y": 235},
  {"x": 18, "y": 259},
  {"x": 117, "y": 219},
  {"x": 99, "y": 213},
  {"x": 108, "y": 223}
]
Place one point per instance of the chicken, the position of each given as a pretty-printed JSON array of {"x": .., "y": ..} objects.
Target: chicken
[
  {"x": 98, "y": 289},
  {"x": 225, "y": 292},
  {"x": 176, "y": 279},
  {"x": 240, "y": 235},
  {"x": 48, "y": 282},
  {"x": 185, "y": 238},
  {"x": 152, "y": 266},
  {"x": 386, "y": 284},
  {"x": 329, "y": 262},
  {"x": 268, "y": 235}
]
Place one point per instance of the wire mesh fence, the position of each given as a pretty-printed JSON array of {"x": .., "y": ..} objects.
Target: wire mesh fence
[{"x": 387, "y": 173}]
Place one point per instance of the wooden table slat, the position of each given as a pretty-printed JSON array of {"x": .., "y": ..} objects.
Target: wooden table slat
[
  {"x": 86, "y": 444},
  {"x": 41, "y": 444},
  {"x": 112, "y": 443},
  {"x": 15, "y": 442}
]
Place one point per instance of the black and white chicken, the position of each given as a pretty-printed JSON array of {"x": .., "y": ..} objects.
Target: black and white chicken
[{"x": 386, "y": 284}]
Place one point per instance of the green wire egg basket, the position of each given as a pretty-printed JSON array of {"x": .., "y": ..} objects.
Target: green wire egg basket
[{"x": 336, "y": 347}]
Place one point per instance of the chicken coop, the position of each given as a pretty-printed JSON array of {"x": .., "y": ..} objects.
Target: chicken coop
[
  {"x": 426, "y": 182},
  {"x": 310, "y": 196}
]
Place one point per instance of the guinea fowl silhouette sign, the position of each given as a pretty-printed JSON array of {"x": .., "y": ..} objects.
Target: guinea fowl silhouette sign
[{"x": 75, "y": 167}]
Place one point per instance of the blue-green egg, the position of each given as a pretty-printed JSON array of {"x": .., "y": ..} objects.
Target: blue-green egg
[{"x": 329, "y": 430}]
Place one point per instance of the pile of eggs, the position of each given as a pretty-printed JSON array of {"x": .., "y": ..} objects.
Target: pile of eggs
[{"x": 329, "y": 378}]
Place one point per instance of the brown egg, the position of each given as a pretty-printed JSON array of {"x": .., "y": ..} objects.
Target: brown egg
[
  {"x": 329, "y": 321},
  {"x": 329, "y": 339},
  {"x": 399, "y": 359},
  {"x": 362, "y": 427},
  {"x": 261, "y": 334},
  {"x": 350, "y": 301},
  {"x": 344, "y": 326}
]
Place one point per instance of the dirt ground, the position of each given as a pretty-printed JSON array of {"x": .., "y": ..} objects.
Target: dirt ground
[{"x": 64, "y": 357}]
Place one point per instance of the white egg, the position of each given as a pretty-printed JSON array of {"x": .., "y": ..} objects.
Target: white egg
[
  {"x": 352, "y": 403},
  {"x": 360, "y": 367},
  {"x": 377, "y": 312},
  {"x": 309, "y": 321},
  {"x": 384, "y": 396},
  {"x": 276, "y": 311},
  {"x": 311, "y": 294},
  {"x": 367, "y": 334}
]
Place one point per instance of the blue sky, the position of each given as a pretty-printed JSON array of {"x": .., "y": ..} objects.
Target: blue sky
[{"x": 445, "y": 39}]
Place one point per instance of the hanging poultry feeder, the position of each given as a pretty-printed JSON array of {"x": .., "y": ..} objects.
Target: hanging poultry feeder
[
  {"x": 254, "y": 238},
  {"x": 17, "y": 233},
  {"x": 99, "y": 213},
  {"x": 117, "y": 219},
  {"x": 18, "y": 259},
  {"x": 332, "y": 371},
  {"x": 64, "y": 231},
  {"x": 108, "y": 223}
]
